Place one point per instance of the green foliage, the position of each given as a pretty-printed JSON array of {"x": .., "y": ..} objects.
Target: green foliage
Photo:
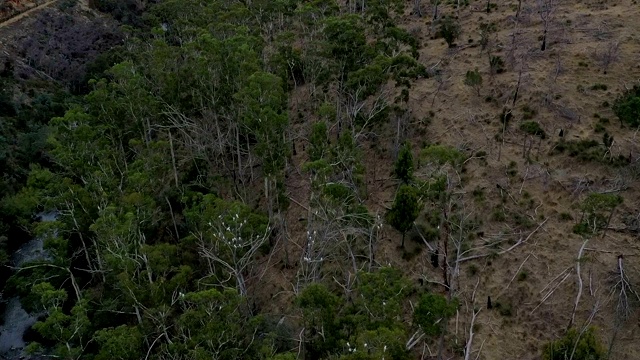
[
  {"x": 504, "y": 308},
  {"x": 443, "y": 154},
  {"x": 320, "y": 310},
  {"x": 578, "y": 346},
  {"x": 434, "y": 189},
  {"x": 395, "y": 37},
  {"x": 596, "y": 211},
  {"x": 346, "y": 41},
  {"x": 485, "y": 32},
  {"x": 403, "y": 168},
  {"x": 369, "y": 78},
  {"x": 473, "y": 79},
  {"x": 405, "y": 209},
  {"x": 533, "y": 128},
  {"x": 264, "y": 116},
  {"x": 382, "y": 293},
  {"x": 318, "y": 141},
  {"x": 627, "y": 107},
  {"x": 229, "y": 233},
  {"x": 432, "y": 312},
  {"x": 378, "y": 344},
  {"x": 450, "y": 30},
  {"x": 121, "y": 343},
  {"x": 496, "y": 64},
  {"x": 347, "y": 159},
  {"x": 588, "y": 150},
  {"x": 70, "y": 331},
  {"x": 598, "y": 86},
  {"x": 213, "y": 324},
  {"x": 523, "y": 275}
]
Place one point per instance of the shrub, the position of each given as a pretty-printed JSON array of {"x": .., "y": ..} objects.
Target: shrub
[
  {"x": 588, "y": 150},
  {"x": 582, "y": 346},
  {"x": 565, "y": 216},
  {"x": 523, "y": 275},
  {"x": 478, "y": 194},
  {"x": 627, "y": 107},
  {"x": 450, "y": 30},
  {"x": 403, "y": 169},
  {"x": 533, "y": 128},
  {"x": 442, "y": 154},
  {"x": 504, "y": 309},
  {"x": 473, "y": 79},
  {"x": 496, "y": 64}
]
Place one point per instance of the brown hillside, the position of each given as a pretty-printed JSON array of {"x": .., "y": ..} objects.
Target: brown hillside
[{"x": 518, "y": 189}]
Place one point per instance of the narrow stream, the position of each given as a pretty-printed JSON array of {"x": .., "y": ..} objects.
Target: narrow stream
[{"x": 16, "y": 320}]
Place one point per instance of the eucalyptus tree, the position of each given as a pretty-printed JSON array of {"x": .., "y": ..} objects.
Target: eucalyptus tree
[
  {"x": 338, "y": 225},
  {"x": 229, "y": 237},
  {"x": 262, "y": 105},
  {"x": 405, "y": 210}
]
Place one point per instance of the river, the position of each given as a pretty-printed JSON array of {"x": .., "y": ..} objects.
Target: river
[{"x": 16, "y": 320}]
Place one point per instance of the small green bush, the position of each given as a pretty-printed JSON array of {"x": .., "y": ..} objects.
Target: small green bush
[
  {"x": 588, "y": 150},
  {"x": 566, "y": 216},
  {"x": 496, "y": 63},
  {"x": 533, "y": 128},
  {"x": 478, "y": 194},
  {"x": 627, "y": 107},
  {"x": 450, "y": 30},
  {"x": 523, "y": 275},
  {"x": 583, "y": 346},
  {"x": 504, "y": 309}
]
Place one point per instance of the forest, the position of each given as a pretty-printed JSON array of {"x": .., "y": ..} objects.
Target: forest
[{"x": 323, "y": 179}]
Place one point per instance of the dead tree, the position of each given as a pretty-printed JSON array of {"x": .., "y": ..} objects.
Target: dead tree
[
  {"x": 417, "y": 8},
  {"x": 624, "y": 294},
  {"x": 579, "y": 294},
  {"x": 435, "y": 3},
  {"x": 546, "y": 9},
  {"x": 609, "y": 55},
  {"x": 227, "y": 248},
  {"x": 474, "y": 315}
]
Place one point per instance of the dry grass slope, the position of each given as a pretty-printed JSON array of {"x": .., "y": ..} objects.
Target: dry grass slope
[{"x": 588, "y": 43}]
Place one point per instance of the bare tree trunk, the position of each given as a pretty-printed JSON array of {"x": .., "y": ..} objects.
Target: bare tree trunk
[
  {"x": 577, "y": 301},
  {"x": 435, "y": 9},
  {"x": 173, "y": 160},
  {"x": 474, "y": 314},
  {"x": 445, "y": 248},
  {"x": 623, "y": 307},
  {"x": 417, "y": 8}
]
